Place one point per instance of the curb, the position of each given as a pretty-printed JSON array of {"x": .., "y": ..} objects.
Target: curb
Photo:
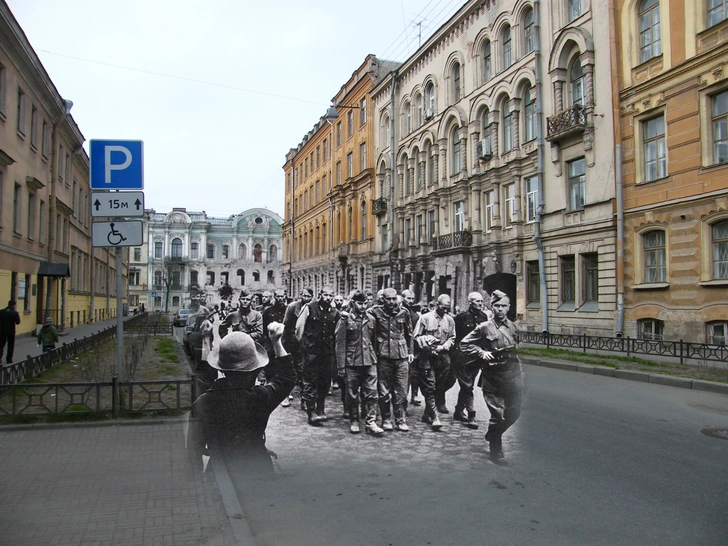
[
  {"x": 631, "y": 375},
  {"x": 92, "y": 424}
]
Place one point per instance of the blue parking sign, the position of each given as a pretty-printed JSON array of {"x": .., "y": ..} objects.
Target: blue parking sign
[{"x": 117, "y": 164}]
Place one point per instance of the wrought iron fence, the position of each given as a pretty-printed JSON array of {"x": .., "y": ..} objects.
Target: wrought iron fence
[
  {"x": 681, "y": 350},
  {"x": 110, "y": 397}
]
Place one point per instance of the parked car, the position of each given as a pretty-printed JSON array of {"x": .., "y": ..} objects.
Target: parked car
[{"x": 180, "y": 318}]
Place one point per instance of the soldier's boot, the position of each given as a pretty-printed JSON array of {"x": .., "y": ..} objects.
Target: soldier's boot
[
  {"x": 470, "y": 423},
  {"x": 313, "y": 419},
  {"x": 320, "y": 409}
]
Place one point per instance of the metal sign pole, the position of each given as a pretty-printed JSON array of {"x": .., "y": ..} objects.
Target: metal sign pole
[{"x": 119, "y": 316}]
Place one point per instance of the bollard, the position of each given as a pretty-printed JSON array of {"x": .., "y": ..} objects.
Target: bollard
[{"x": 114, "y": 398}]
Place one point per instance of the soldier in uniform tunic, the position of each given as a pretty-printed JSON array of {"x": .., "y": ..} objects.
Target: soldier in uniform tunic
[{"x": 493, "y": 344}]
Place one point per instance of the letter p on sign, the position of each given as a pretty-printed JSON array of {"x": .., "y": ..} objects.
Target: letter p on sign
[{"x": 117, "y": 164}]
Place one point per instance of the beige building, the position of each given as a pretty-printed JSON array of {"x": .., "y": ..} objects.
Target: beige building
[
  {"x": 494, "y": 139},
  {"x": 329, "y": 228},
  {"x": 46, "y": 260},
  {"x": 673, "y": 100}
]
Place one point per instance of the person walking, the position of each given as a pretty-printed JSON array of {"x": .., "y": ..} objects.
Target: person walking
[
  {"x": 48, "y": 335},
  {"x": 435, "y": 335},
  {"x": 315, "y": 330},
  {"x": 493, "y": 345},
  {"x": 251, "y": 321},
  {"x": 466, "y": 373},
  {"x": 356, "y": 362},
  {"x": 394, "y": 345},
  {"x": 9, "y": 319},
  {"x": 275, "y": 313},
  {"x": 293, "y": 311},
  {"x": 408, "y": 302}
]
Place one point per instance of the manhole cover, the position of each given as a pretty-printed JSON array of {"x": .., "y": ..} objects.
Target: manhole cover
[{"x": 720, "y": 433}]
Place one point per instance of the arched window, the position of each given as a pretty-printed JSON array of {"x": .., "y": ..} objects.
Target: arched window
[
  {"x": 407, "y": 121},
  {"x": 242, "y": 252},
  {"x": 507, "y": 47},
  {"x": 457, "y": 160},
  {"x": 430, "y": 100},
  {"x": 577, "y": 76},
  {"x": 655, "y": 257},
  {"x": 272, "y": 253},
  {"x": 258, "y": 253},
  {"x": 418, "y": 110},
  {"x": 456, "y": 82},
  {"x": 384, "y": 131},
  {"x": 650, "y": 43},
  {"x": 363, "y": 220},
  {"x": 487, "y": 61},
  {"x": 719, "y": 234},
  {"x": 528, "y": 35},
  {"x": 507, "y": 127},
  {"x": 176, "y": 248},
  {"x": 530, "y": 118}
]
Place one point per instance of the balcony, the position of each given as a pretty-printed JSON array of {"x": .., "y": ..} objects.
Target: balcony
[
  {"x": 176, "y": 259},
  {"x": 452, "y": 240},
  {"x": 379, "y": 206},
  {"x": 566, "y": 123}
]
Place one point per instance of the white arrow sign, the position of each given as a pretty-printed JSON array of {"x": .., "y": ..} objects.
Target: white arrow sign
[
  {"x": 117, "y": 204},
  {"x": 113, "y": 234}
]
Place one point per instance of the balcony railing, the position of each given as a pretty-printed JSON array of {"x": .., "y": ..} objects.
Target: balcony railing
[
  {"x": 176, "y": 259},
  {"x": 379, "y": 206},
  {"x": 565, "y": 123},
  {"x": 452, "y": 240}
]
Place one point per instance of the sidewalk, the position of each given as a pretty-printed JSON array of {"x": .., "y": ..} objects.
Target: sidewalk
[
  {"x": 130, "y": 484},
  {"x": 25, "y": 346}
]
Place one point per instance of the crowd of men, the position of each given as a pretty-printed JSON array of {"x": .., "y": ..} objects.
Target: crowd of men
[{"x": 380, "y": 353}]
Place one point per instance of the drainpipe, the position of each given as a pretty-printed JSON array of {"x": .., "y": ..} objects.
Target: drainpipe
[
  {"x": 539, "y": 175},
  {"x": 617, "y": 135},
  {"x": 291, "y": 246},
  {"x": 393, "y": 170}
]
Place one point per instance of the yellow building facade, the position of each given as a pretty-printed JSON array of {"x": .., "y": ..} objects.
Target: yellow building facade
[{"x": 673, "y": 100}]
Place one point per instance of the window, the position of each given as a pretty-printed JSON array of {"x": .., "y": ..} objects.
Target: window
[
  {"x": 134, "y": 277},
  {"x": 271, "y": 277},
  {"x": 531, "y": 198},
  {"x": 507, "y": 127},
  {"x": 510, "y": 203},
  {"x": 407, "y": 229},
  {"x": 577, "y": 184},
  {"x": 419, "y": 224},
  {"x": 456, "y": 82},
  {"x": 655, "y": 257},
  {"x": 489, "y": 210},
  {"x": 211, "y": 278},
  {"x": 45, "y": 139},
  {"x": 717, "y": 11},
  {"x": 362, "y": 157},
  {"x": 318, "y": 156},
  {"x": 176, "y": 248},
  {"x": 457, "y": 160},
  {"x": 507, "y": 48},
  {"x": 338, "y": 134},
  {"x": 487, "y": 61},
  {"x": 211, "y": 251},
  {"x": 225, "y": 251},
  {"x": 325, "y": 149},
  {"x": 385, "y": 238},
  {"x": 533, "y": 286},
  {"x": 654, "y": 148},
  {"x": 158, "y": 301},
  {"x": 590, "y": 278},
  {"x": 528, "y": 38},
  {"x": 338, "y": 173},
  {"x": 31, "y": 215},
  {"x": 305, "y": 167},
  {"x": 650, "y": 329},
  {"x": 21, "y": 112},
  {"x": 363, "y": 209},
  {"x": 568, "y": 279},
  {"x": 17, "y": 203},
  {"x": 459, "y": 224},
  {"x": 317, "y": 195},
  {"x": 61, "y": 159},
  {"x": 137, "y": 254},
  {"x": 362, "y": 112},
  {"x": 324, "y": 188},
  {"x": 3, "y": 88},
  {"x": 43, "y": 224},
  {"x": 194, "y": 250},
  {"x": 431, "y": 221},
  {"x": 430, "y": 99},
  {"x": 720, "y": 250},
  {"x": 33, "y": 128},
  {"x": 530, "y": 120},
  {"x": 576, "y": 8},
  {"x": 158, "y": 249},
  {"x": 716, "y": 333},
  {"x": 577, "y": 77},
  {"x": 350, "y": 123},
  {"x": 407, "y": 119},
  {"x": 349, "y": 164},
  {"x": 158, "y": 280},
  {"x": 418, "y": 110},
  {"x": 258, "y": 253},
  {"x": 719, "y": 107},
  {"x": 650, "y": 44},
  {"x": 256, "y": 276}
]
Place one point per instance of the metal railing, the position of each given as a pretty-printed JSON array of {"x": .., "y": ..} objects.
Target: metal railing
[
  {"x": 379, "y": 206},
  {"x": 572, "y": 119},
  {"x": 109, "y": 397},
  {"x": 681, "y": 350},
  {"x": 452, "y": 240}
]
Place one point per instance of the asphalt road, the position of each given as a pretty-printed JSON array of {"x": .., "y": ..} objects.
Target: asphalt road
[{"x": 593, "y": 460}]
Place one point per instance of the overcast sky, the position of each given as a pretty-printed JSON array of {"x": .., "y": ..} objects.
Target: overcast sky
[{"x": 218, "y": 90}]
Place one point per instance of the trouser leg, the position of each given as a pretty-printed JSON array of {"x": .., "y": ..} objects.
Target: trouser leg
[
  {"x": 3, "y": 341},
  {"x": 466, "y": 375},
  {"x": 368, "y": 390},
  {"x": 443, "y": 379},
  {"x": 426, "y": 379},
  {"x": 11, "y": 347},
  {"x": 504, "y": 399},
  {"x": 399, "y": 389},
  {"x": 385, "y": 380},
  {"x": 353, "y": 388},
  {"x": 309, "y": 377},
  {"x": 323, "y": 382}
]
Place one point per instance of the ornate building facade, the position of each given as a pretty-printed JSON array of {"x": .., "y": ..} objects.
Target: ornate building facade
[
  {"x": 672, "y": 81},
  {"x": 329, "y": 229},
  {"x": 194, "y": 257},
  {"x": 495, "y": 151}
]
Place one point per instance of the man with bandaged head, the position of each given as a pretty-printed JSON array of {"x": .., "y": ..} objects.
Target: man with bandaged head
[{"x": 493, "y": 345}]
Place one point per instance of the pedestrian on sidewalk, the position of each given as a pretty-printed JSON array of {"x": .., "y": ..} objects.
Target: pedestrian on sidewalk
[
  {"x": 9, "y": 318},
  {"x": 48, "y": 335}
]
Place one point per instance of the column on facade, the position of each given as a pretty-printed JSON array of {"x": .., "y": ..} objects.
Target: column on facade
[
  {"x": 496, "y": 204},
  {"x": 422, "y": 162},
  {"x": 475, "y": 199},
  {"x": 411, "y": 169},
  {"x": 560, "y": 78},
  {"x": 400, "y": 182},
  {"x": 463, "y": 130},
  {"x": 494, "y": 123},
  {"x": 589, "y": 69},
  {"x": 443, "y": 160},
  {"x": 516, "y": 122},
  {"x": 436, "y": 163},
  {"x": 474, "y": 138}
]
